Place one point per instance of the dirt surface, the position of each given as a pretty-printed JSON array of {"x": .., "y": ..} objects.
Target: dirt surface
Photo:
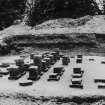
[
  {"x": 23, "y": 96},
  {"x": 68, "y": 27}
]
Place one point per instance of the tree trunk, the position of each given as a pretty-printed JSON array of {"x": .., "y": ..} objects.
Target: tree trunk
[{"x": 28, "y": 10}]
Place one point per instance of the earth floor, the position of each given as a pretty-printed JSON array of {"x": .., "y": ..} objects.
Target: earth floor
[{"x": 92, "y": 70}]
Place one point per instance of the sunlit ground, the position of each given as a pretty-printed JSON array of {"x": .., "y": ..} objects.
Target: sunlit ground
[{"x": 92, "y": 70}]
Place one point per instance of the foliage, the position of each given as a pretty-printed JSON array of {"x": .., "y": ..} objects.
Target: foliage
[
  {"x": 10, "y": 10},
  {"x": 41, "y": 10},
  {"x": 50, "y": 9}
]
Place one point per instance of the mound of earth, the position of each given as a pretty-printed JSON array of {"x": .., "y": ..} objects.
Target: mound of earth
[
  {"x": 57, "y": 31},
  {"x": 21, "y": 29},
  {"x": 88, "y": 30},
  {"x": 64, "y": 23},
  {"x": 87, "y": 24}
]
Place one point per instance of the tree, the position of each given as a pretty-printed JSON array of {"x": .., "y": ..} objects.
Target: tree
[
  {"x": 49, "y": 9},
  {"x": 33, "y": 12},
  {"x": 29, "y": 7},
  {"x": 10, "y": 10}
]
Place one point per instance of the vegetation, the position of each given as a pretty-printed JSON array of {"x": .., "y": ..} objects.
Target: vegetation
[
  {"x": 10, "y": 10},
  {"x": 34, "y": 12}
]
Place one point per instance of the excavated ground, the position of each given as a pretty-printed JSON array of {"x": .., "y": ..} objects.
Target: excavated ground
[
  {"x": 56, "y": 93},
  {"x": 81, "y": 36}
]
